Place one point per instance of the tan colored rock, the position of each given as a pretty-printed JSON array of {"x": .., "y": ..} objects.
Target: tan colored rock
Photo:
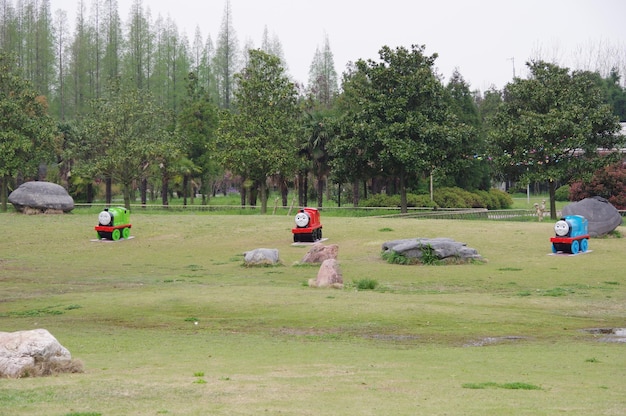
[
  {"x": 23, "y": 350},
  {"x": 329, "y": 275},
  {"x": 319, "y": 252}
]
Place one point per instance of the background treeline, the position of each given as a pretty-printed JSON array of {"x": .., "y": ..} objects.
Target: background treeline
[{"x": 134, "y": 107}]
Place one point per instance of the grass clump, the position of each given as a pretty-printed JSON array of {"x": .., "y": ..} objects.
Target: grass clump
[
  {"x": 393, "y": 257},
  {"x": 507, "y": 386},
  {"x": 366, "y": 284}
]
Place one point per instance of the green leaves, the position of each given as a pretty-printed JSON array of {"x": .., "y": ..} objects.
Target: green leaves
[
  {"x": 260, "y": 139},
  {"x": 26, "y": 131}
]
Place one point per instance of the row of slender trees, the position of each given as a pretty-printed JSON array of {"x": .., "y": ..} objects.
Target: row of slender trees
[{"x": 165, "y": 113}]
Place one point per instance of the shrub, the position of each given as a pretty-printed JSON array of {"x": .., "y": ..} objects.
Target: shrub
[
  {"x": 504, "y": 198},
  {"x": 562, "y": 193},
  {"x": 383, "y": 200},
  {"x": 366, "y": 284},
  {"x": 489, "y": 200},
  {"x": 458, "y": 198},
  {"x": 608, "y": 183},
  {"x": 393, "y": 257}
]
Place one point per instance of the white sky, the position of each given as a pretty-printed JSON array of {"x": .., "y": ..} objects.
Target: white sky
[{"x": 485, "y": 39}]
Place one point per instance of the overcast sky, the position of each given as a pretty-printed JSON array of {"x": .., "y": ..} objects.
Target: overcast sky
[{"x": 486, "y": 40}]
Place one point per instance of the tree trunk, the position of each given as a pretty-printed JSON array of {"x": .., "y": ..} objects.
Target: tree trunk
[
  {"x": 4, "y": 189},
  {"x": 320, "y": 191},
  {"x": 339, "y": 195},
  {"x": 355, "y": 193},
  {"x": 552, "y": 187},
  {"x": 108, "y": 191},
  {"x": 164, "y": 189},
  {"x": 263, "y": 189},
  {"x": 403, "y": 204},
  {"x": 144, "y": 192},
  {"x": 185, "y": 188},
  {"x": 89, "y": 193},
  {"x": 284, "y": 192},
  {"x": 126, "y": 191}
]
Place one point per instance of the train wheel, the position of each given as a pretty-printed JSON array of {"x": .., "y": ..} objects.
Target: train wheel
[
  {"x": 115, "y": 235},
  {"x": 575, "y": 247},
  {"x": 319, "y": 233},
  {"x": 554, "y": 249},
  {"x": 126, "y": 232},
  {"x": 584, "y": 245},
  {"x": 296, "y": 238}
]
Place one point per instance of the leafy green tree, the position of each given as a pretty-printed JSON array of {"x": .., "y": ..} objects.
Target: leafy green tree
[
  {"x": 259, "y": 140},
  {"x": 351, "y": 152},
  {"x": 551, "y": 126},
  {"x": 27, "y": 133},
  {"x": 197, "y": 123},
  {"x": 128, "y": 131},
  {"x": 404, "y": 121},
  {"x": 472, "y": 172},
  {"x": 318, "y": 131}
]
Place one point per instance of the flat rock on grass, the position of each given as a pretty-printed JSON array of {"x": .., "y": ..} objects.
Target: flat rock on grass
[{"x": 443, "y": 248}]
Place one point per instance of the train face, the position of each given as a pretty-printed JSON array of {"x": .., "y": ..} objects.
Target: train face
[
  {"x": 308, "y": 226},
  {"x": 113, "y": 223},
  {"x": 572, "y": 234},
  {"x": 571, "y": 226}
]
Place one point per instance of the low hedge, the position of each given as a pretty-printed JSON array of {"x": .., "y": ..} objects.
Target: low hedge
[{"x": 445, "y": 198}]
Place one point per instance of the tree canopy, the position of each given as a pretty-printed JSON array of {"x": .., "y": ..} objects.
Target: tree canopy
[
  {"x": 27, "y": 133},
  {"x": 401, "y": 120},
  {"x": 259, "y": 139},
  {"x": 552, "y": 126}
]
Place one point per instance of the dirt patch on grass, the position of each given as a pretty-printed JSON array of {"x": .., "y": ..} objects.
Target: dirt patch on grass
[
  {"x": 608, "y": 334},
  {"x": 483, "y": 342}
]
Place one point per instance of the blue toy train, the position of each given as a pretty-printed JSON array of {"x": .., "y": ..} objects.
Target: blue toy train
[{"x": 572, "y": 235}]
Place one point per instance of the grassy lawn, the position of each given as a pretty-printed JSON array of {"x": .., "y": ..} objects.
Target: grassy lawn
[{"x": 506, "y": 337}]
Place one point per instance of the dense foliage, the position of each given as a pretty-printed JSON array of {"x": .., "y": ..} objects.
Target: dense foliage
[
  {"x": 552, "y": 126},
  {"x": 141, "y": 108},
  {"x": 608, "y": 182}
]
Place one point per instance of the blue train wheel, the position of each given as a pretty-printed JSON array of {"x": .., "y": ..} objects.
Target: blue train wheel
[
  {"x": 575, "y": 247},
  {"x": 584, "y": 245},
  {"x": 115, "y": 235}
]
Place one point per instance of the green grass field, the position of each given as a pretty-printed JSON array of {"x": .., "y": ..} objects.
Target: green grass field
[{"x": 507, "y": 337}]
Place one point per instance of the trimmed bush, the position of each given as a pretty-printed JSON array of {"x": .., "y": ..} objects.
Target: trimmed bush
[
  {"x": 445, "y": 198},
  {"x": 562, "y": 193},
  {"x": 506, "y": 201}
]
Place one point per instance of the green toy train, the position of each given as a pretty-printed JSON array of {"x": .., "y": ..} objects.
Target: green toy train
[{"x": 113, "y": 224}]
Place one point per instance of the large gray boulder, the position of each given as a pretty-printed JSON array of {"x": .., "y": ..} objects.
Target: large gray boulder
[
  {"x": 445, "y": 249},
  {"x": 602, "y": 216},
  {"x": 38, "y": 196},
  {"x": 30, "y": 351},
  {"x": 261, "y": 257}
]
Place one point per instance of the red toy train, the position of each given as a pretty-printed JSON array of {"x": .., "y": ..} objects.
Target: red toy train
[{"x": 308, "y": 226}]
